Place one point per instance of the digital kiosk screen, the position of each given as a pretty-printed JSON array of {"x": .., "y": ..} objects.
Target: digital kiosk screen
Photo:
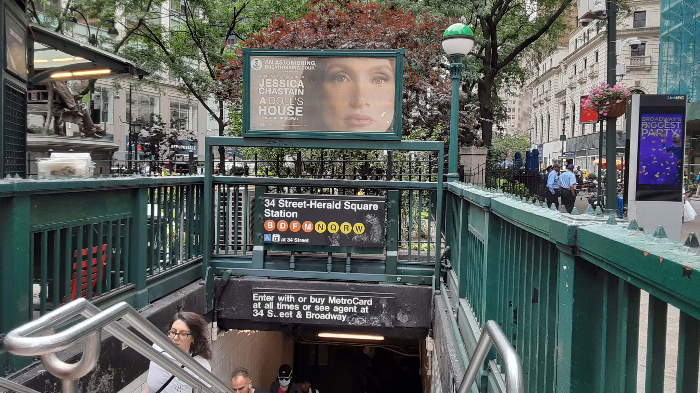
[{"x": 660, "y": 167}]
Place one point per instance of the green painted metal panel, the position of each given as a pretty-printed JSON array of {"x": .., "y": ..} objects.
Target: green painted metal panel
[
  {"x": 137, "y": 249},
  {"x": 393, "y": 210},
  {"x": 659, "y": 266},
  {"x": 656, "y": 345},
  {"x": 64, "y": 209},
  {"x": 15, "y": 272},
  {"x": 688, "y": 354}
]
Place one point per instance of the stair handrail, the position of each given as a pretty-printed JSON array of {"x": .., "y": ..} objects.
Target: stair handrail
[
  {"x": 15, "y": 387},
  {"x": 492, "y": 334},
  {"x": 26, "y": 341}
]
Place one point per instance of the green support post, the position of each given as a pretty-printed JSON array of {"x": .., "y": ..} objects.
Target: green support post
[
  {"x": 461, "y": 254},
  {"x": 456, "y": 68},
  {"x": 440, "y": 204},
  {"x": 492, "y": 265},
  {"x": 565, "y": 318},
  {"x": 208, "y": 225},
  {"x": 15, "y": 273},
  {"x": 392, "y": 239},
  {"x": 138, "y": 236},
  {"x": 258, "y": 245}
]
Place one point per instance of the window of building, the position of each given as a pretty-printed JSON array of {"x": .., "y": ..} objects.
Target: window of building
[
  {"x": 575, "y": 70},
  {"x": 145, "y": 108},
  {"x": 183, "y": 115},
  {"x": 585, "y": 63},
  {"x": 596, "y": 56},
  {"x": 573, "y": 119},
  {"x": 638, "y": 49},
  {"x": 640, "y": 19},
  {"x": 103, "y": 106}
]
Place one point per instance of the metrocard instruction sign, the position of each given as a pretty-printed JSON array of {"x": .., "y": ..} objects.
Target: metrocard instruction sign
[
  {"x": 336, "y": 94},
  {"x": 323, "y": 220}
]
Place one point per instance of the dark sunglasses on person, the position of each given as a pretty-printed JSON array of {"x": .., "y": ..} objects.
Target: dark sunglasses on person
[{"x": 284, "y": 378}]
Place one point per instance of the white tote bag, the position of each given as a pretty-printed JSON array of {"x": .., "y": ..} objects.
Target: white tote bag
[{"x": 689, "y": 213}]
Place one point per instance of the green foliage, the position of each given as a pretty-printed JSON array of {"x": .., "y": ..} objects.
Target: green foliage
[
  {"x": 592, "y": 176},
  {"x": 358, "y": 24},
  {"x": 187, "y": 49},
  {"x": 505, "y": 146},
  {"x": 511, "y": 38}
]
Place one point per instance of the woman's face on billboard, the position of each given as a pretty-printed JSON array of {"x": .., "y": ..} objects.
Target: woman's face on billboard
[{"x": 359, "y": 94}]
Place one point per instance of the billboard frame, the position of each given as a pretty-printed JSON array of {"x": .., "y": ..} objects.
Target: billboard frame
[{"x": 392, "y": 134}]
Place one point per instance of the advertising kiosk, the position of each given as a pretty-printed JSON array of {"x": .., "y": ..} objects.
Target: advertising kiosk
[{"x": 657, "y": 139}]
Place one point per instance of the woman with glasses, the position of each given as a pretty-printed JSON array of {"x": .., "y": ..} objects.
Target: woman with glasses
[{"x": 188, "y": 331}]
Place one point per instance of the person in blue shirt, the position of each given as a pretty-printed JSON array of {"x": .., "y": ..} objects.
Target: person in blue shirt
[
  {"x": 567, "y": 183},
  {"x": 553, "y": 187}
]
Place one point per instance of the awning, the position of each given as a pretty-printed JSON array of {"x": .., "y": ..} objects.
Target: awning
[{"x": 58, "y": 57}]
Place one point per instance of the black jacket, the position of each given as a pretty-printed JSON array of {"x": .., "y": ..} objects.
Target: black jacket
[{"x": 293, "y": 387}]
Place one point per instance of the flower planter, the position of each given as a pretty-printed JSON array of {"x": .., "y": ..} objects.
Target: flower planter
[{"x": 617, "y": 109}]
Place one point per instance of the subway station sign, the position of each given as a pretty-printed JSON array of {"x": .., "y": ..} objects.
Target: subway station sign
[
  {"x": 335, "y": 94},
  {"x": 323, "y": 220},
  {"x": 322, "y": 307}
]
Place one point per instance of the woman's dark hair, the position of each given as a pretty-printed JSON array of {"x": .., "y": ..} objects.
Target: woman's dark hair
[{"x": 198, "y": 329}]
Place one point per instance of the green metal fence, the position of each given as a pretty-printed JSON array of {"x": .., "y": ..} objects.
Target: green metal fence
[
  {"x": 566, "y": 291},
  {"x": 413, "y": 195},
  {"x": 107, "y": 240}
]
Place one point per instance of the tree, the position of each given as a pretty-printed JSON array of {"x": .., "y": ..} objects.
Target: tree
[
  {"x": 511, "y": 36},
  {"x": 188, "y": 49},
  {"x": 505, "y": 146},
  {"x": 354, "y": 24}
]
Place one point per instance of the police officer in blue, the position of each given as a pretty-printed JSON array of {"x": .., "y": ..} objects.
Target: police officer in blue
[
  {"x": 567, "y": 183},
  {"x": 553, "y": 187}
]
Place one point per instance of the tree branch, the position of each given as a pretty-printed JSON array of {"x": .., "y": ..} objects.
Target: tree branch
[
  {"x": 188, "y": 84},
  {"x": 233, "y": 25},
  {"x": 513, "y": 54},
  {"x": 130, "y": 32}
]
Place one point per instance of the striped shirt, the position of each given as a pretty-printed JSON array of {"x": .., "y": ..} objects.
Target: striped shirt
[{"x": 566, "y": 179}]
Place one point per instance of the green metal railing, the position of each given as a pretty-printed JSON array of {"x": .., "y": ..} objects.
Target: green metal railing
[
  {"x": 414, "y": 198},
  {"x": 566, "y": 291},
  {"x": 107, "y": 240}
]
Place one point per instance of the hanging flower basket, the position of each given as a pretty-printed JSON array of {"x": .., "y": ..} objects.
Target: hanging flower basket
[
  {"x": 617, "y": 109},
  {"x": 608, "y": 101}
]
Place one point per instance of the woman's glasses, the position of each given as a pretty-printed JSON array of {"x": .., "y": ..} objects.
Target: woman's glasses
[
  {"x": 180, "y": 335},
  {"x": 284, "y": 378}
]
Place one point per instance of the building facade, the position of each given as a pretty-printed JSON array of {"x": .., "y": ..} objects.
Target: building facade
[
  {"x": 679, "y": 71},
  {"x": 572, "y": 71},
  {"x": 517, "y": 107}
]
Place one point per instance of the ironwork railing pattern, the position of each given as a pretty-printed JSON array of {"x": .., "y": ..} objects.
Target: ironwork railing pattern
[
  {"x": 566, "y": 291},
  {"x": 95, "y": 239}
]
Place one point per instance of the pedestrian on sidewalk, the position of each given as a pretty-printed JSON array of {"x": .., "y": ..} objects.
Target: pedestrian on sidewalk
[
  {"x": 697, "y": 186},
  {"x": 553, "y": 186},
  {"x": 241, "y": 382},
  {"x": 188, "y": 331},
  {"x": 567, "y": 183}
]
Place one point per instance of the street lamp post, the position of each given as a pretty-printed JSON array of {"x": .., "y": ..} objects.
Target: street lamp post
[
  {"x": 562, "y": 138},
  {"x": 457, "y": 42}
]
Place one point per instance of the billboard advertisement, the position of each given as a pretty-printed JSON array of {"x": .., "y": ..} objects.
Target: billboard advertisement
[
  {"x": 16, "y": 46},
  {"x": 588, "y": 115},
  {"x": 660, "y": 152},
  {"x": 333, "y": 94}
]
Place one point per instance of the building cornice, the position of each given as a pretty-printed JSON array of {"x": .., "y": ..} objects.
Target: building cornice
[{"x": 645, "y": 32}]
